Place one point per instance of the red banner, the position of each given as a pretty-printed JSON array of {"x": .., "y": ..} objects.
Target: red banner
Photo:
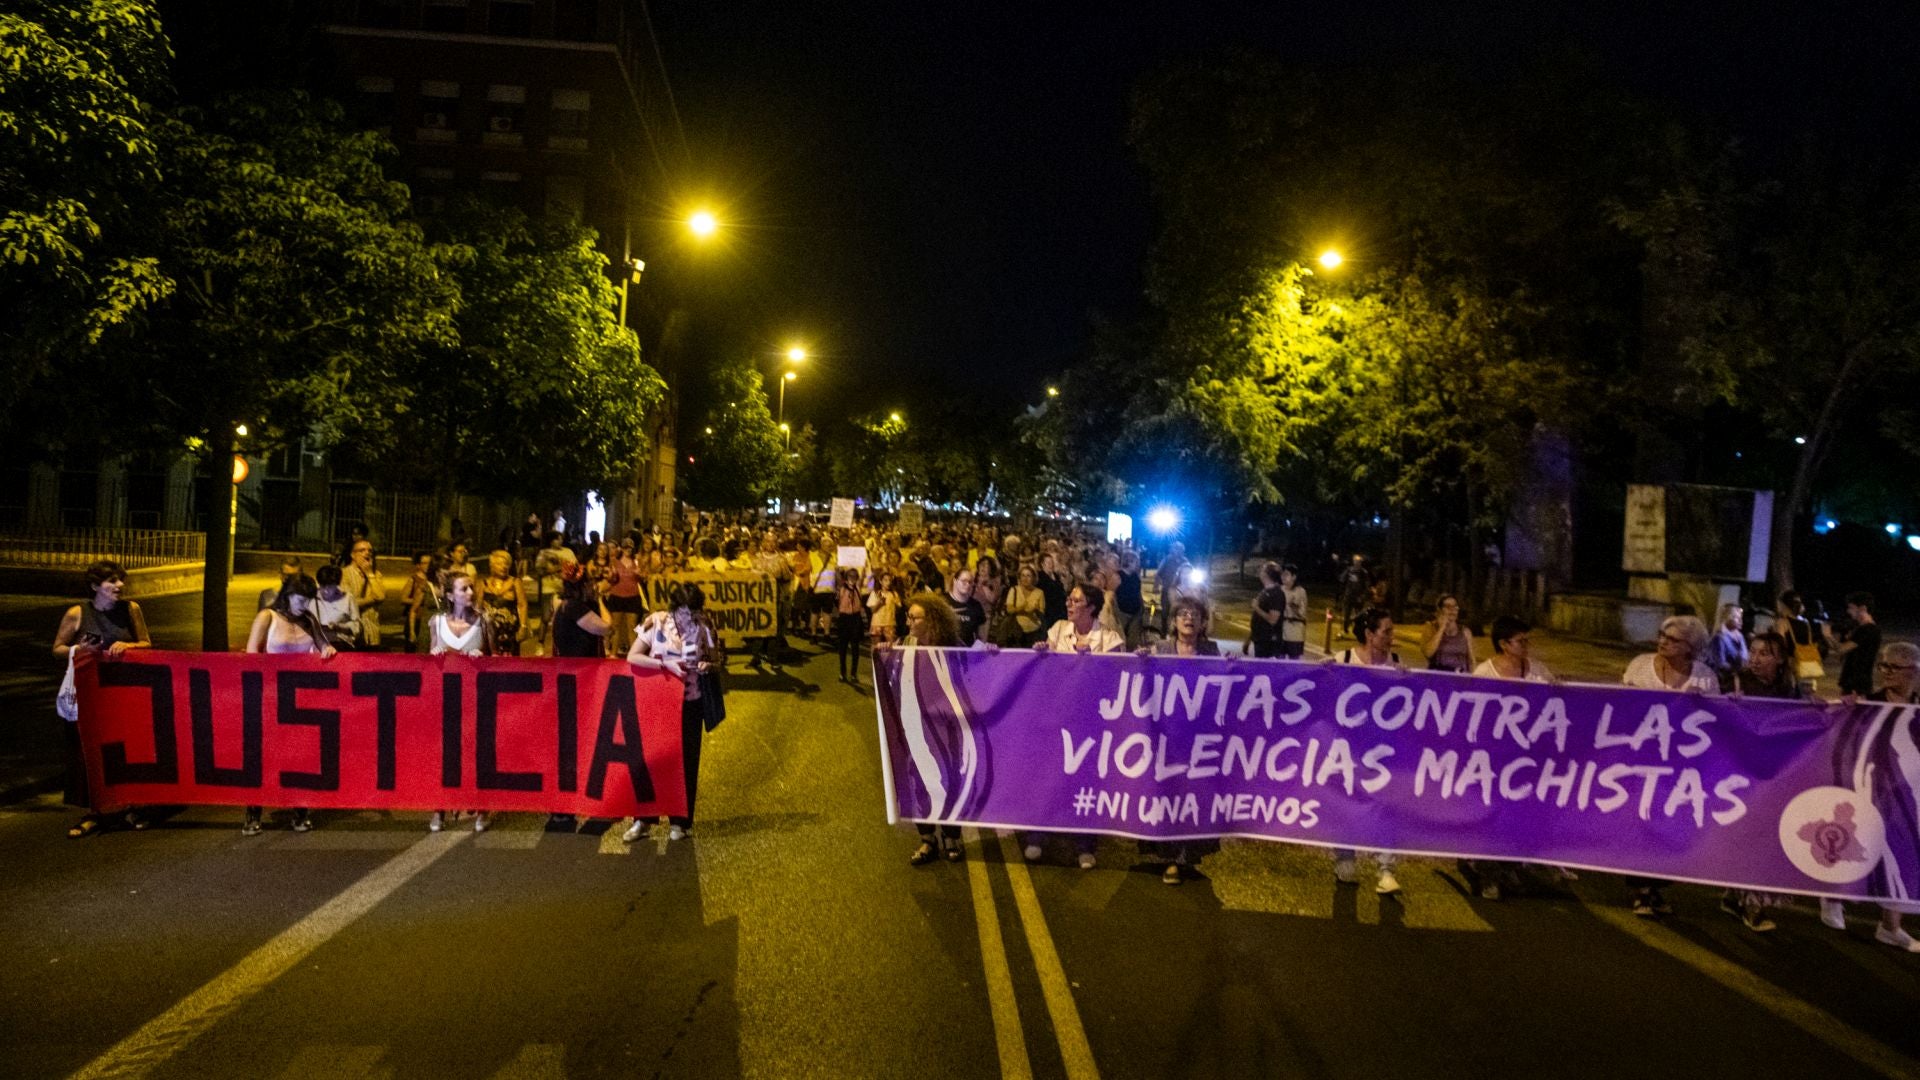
[{"x": 381, "y": 731}]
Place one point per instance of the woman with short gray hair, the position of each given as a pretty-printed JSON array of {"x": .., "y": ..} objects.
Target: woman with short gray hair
[{"x": 1675, "y": 663}]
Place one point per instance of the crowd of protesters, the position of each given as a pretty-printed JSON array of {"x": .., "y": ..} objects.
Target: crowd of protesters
[{"x": 872, "y": 586}]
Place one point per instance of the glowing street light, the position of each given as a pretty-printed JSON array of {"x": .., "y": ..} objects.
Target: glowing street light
[
  {"x": 784, "y": 380},
  {"x": 896, "y": 418},
  {"x": 1053, "y": 391},
  {"x": 703, "y": 224},
  {"x": 796, "y": 354},
  {"x": 1331, "y": 259},
  {"x": 1163, "y": 519}
]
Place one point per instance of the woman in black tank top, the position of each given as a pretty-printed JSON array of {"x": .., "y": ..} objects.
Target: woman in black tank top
[{"x": 108, "y": 626}]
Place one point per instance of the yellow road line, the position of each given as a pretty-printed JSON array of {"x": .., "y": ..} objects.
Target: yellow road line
[
  {"x": 165, "y": 1035},
  {"x": 1811, "y": 1019},
  {"x": 993, "y": 956},
  {"x": 1074, "y": 1051}
]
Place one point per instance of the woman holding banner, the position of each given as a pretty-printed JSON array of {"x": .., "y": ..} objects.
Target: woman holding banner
[
  {"x": 1675, "y": 664},
  {"x": 1899, "y": 675},
  {"x": 679, "y": 642},
  {"x": 1374, "y": 628},
  {"x": 931, "y": 622},
  {"x": 290, "y": 626},
  {"x": 1192, "y": 636},
  {"x": 461, "y": 627},
  {"x": 1080, "y": 632},
  {"x": 110, "y": 626}
]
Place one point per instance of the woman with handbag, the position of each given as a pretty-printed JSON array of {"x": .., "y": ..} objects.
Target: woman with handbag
[
  {"x": 1808, "y": 664},
  {"x": 680, "y": 642},
  {"x": 109, "y": 626}
]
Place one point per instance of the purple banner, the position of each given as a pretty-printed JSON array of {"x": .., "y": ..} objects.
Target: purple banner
[{"x": 1768, "y": 795}]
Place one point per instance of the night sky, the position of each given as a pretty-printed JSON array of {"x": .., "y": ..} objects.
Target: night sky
[{"x": 936, "y": 196}]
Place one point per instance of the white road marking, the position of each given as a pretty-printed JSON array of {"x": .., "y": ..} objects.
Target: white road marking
[
  {"x": 1811, "y": 1019},
  {"x": 1007, "y": 1034},
  {"x": 1075, "y": 1053},
  {"x": 165, "y": 1035}
]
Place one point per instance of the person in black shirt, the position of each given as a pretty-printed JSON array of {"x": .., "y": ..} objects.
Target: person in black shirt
[
  {"x": 1861, "y": 647},
  {"x": 1128, "y": 603},
  {"x": 1269, "y": 608},
  {"x": 966, "y": 609},
  {"x": 580, "y": 627},
  {"x": 1053, "y": 586}
]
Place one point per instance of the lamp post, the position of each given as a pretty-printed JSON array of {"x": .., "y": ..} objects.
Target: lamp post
[{"x": 784, "y": 380}]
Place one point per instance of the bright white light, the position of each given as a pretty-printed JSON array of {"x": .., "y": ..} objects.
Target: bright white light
[
  {"x": 1893, "y": 528},
  {"x": 1331, "y": 259},
  {"x": 702, "y": 223},
  {"x": 1196, "y": 576},
  {"x": 1799, "y": 440},
  {"x": 1163, "y": 519},
  {"x": 240, "y": 430},
  {"x": 1119, "y": 527},
  {"x": 1914, "y": 541},
  {"x": 596, "y": 514}
]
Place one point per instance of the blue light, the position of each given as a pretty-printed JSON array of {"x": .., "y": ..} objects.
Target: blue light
[
  {"x": 1914, "y": 541},
  {"x": 1825, "y": 525},
  {"x": 1163, "y": 519},
  {"x": 1893, "y": 528}
]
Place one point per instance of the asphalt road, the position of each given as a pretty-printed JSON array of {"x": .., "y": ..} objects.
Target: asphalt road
[{"x": 789, "y": 937}]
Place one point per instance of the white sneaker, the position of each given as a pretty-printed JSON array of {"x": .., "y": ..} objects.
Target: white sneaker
[
  {"x": 675, "y": 832},
  {"x": 1388, "y": 884},
  {"x": 1033, "y": 853},
  {"x": 437, "y": 822},
  {"x": 635, "y": 831},
  {"x": 1343, "y": 871},
  {"x": 1086, "y": 861},
  {"x": 1899, "y": 939},
  {"x": 1834, "y": 914},
  {"x": 481, "y": 821}
]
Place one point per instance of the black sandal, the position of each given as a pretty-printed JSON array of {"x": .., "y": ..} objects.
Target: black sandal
[
  {"x": 954, "y": 852},
  {"x": 924, "y": 854},
  {"x": 84, "y": 828}
]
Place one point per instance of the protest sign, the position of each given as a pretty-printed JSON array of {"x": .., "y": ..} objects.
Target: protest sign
[
  {"x": 913, "y": 517},
  {"x": 842, "y": 514},
  {"x": 1768, "y": 795},
  {"x": 741, "y": 604},
  {"x": 854, "y": 556},
  {"x": 381, "y": 731}
]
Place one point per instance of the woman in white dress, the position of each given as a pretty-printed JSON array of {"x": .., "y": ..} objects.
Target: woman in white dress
[
  {"x": 459, "y": 627},
  {"x": 680, "y": 642}
]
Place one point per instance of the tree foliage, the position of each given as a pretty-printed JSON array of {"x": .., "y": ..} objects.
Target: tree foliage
[
  {"x": 741, "y": 462},
  {"x": 78, "y": 157}
]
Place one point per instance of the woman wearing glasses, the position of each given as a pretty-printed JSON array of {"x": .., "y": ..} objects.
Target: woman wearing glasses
[
  {"x": 1899, "y": 675},
  {"x": 1675, "y": 664}
]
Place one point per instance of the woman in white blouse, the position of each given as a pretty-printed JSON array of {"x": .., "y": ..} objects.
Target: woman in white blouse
[
  {"x": 459, "y": 627},
  {"x": 1080, "y": 632}
]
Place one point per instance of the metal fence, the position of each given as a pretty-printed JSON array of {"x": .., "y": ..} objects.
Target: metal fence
[{"x": 131, "y": 548}]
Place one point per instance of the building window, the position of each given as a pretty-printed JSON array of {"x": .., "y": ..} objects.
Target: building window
[
  {"x": 567, "y": 123},
  {"x": 506, "y": 114},
  {"x": 447, "y": 16},
  {"x": 430, "y": 188},
  {"x": 439, "y": 109},
  {"x": 576, "y": 20},
  {"x": 501, "y": 188},
  {"x": 376, "y": 101},
  {"x": 510, "y": 18},
  {"x": 566, "y": 198}
]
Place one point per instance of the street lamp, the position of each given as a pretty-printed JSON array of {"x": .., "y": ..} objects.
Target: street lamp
[
  {"x": 786, "y": 434},
  {"x": 796, "y": 354},
  {"x": 784, "y": 380},
  {"x": 703, "y": 224},
  {"x": 1331, "y": 259},
  {"x": 895, "y": 417},
  {"x": 1053, "y": 391}
]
